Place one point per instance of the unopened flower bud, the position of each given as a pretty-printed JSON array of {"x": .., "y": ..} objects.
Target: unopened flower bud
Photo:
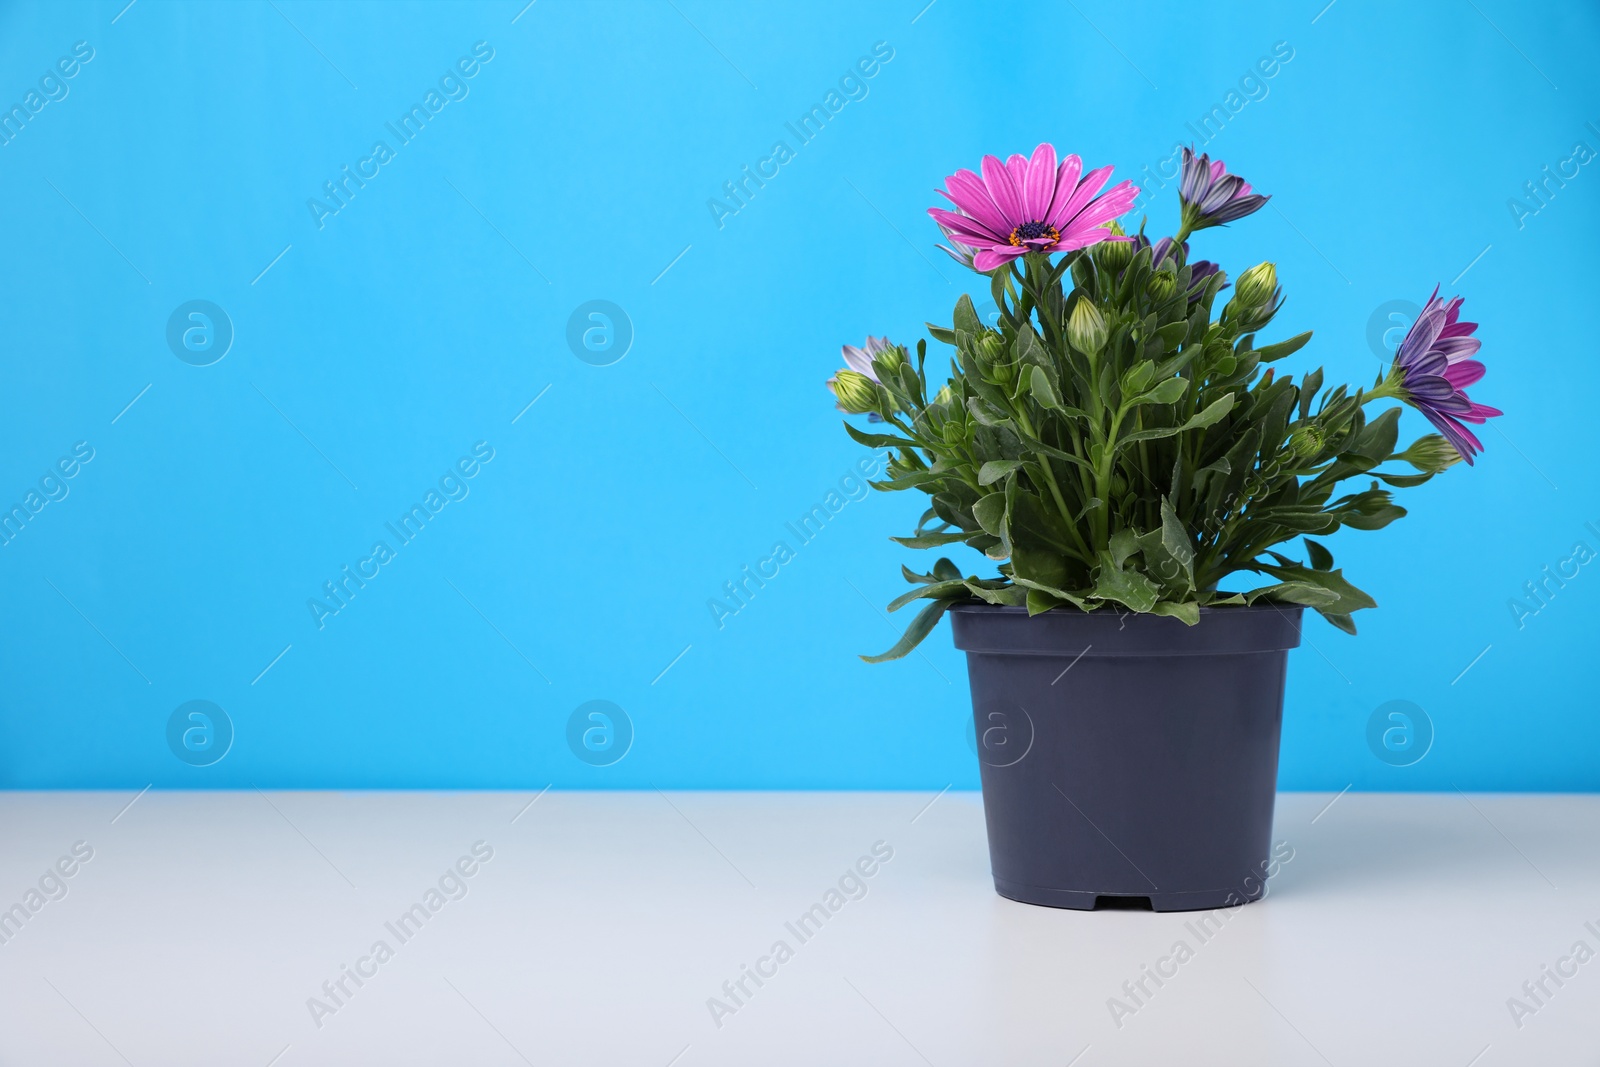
[
  {"x": 1113, "y": 256},
  {"x": 1431, "y": 454},
  {"x": 1161, "y": 286},
  {"x": 1086, "y": 328},
  {"x": 1307, "y": 441},
  {"x": 987, "y": 349},
  {"x": 857, "y": 393},
  {"x": 1257, "y": 287},
  {"x": 890, "y": 360}
]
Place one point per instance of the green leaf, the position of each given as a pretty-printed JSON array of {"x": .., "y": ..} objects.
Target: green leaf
[
  {"x": 1268, "y": 353},
  {"x": 1189, "y": 612},
  {"x": 966, "y": 317},
  {"x": 1375, "y": 443},
  {"x": 920, "y": 627},
  {"x": 1309, "y": 384},
  {"x": 1343, "y": 622},
  {"x": 1321, "y": 558},
  {"x": 1011, "y": 595},
  {"x": 930, "y": 540},
  {"x": 1173, "y": 333},
  {"x": 1040, "y": 602},
  {"x": 1175, "y": 542},
  {"x": 1043, "y": 391},
  {"x": 1213, "y": 411},
  {"x": 1303, "y": 593},
  {"x": 995, "y": 469},
  {"x": 946, "y": 571},
  {"x": 1331, "y": 588},
  {"x": 1167, "y": 392},
  {"x": 1402, "y": 481},
  {"x": 1126, "y": 587},
  {"x": 986, "y": 413},
  {"x": 1028, "y": 349},
  {"x": 877, "y": 440},
  {"x": 990, "y": 512},
  {"x": 935, "y": 591},
  {"x": 1139, "y": 375},
  {"x": 940, "y": 333},
  {"x": 1124, "y": 543}
]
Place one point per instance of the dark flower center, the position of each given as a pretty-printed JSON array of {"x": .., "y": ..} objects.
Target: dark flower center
[{"x": 1034, "y": 231}]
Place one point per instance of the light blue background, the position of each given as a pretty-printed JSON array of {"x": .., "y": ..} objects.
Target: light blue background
[{"x": 429, "y": 311}]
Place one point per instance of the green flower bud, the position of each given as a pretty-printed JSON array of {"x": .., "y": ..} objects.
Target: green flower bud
[
  {"x": 1113, "y": 256},
  {"x": 890, "y": 360},
  {"x": 1161, "y": 286},
  {"x": 1255, "y": 298},
  {"x": 1086, "y": 328},
  {"x": 1307, "y": 441},
  {"x": 1258, "y": 286},
  {"x": 857, "y": 393},
  {"x": 1431, "y": 454},
  {"x": 944, "y": 396},
  {"x": 987, "y": 349}
]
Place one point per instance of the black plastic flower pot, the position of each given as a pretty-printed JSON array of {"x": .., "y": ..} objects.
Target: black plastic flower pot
[{"x": 1128, "y": 756}]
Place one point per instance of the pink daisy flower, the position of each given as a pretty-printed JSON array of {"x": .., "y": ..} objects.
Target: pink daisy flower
[{"x": 1030, "y": 205}]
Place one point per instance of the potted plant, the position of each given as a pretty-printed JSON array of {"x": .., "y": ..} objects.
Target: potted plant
[{"x": 1133, "y": 463}]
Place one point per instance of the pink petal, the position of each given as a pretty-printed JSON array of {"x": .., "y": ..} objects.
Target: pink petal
[
  {"x": 1003, "y": 191},
  {"x": 1017, "y": 167},
  {"x": 1113, "y": 204},
  {"x": 1066, "y": 182},
  {"x": 1062, "y": 211},
  {"x": 960, "y": 226},
  {"x": 1480, "y": 412},
  {"x": 1039, "y": 185},
  {"x": 967, "y": 192},
  {"x": 1460, "y": 375},
  {"x": 990, "y": 258}
]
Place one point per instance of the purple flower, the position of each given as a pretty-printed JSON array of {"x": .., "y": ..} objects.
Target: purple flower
[
  {"x": 1432, "y": 370},
  {"x": 860, "y": 361},
  {"x": 1211, "y": 196},
  {"x": 1029, "y": 205}
]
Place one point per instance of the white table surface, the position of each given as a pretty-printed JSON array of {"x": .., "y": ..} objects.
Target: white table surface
[{"x": 605, "y": 922}]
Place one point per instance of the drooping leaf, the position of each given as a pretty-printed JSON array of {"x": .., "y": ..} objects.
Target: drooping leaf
[
  {"x": 920, "y": 627},
  {"x": 1189, "y": 611},
  {"x": 935, "y": 591}
]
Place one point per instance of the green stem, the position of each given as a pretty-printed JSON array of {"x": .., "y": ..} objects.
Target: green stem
[{"x": 1055, "y": 488}]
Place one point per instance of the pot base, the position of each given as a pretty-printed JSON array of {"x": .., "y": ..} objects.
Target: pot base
[{"x": 1200, "y": 900}]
